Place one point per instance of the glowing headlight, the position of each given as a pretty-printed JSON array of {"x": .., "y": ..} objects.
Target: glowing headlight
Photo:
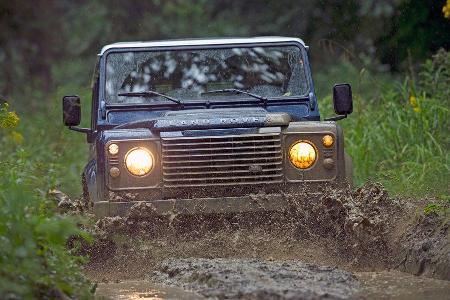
[
  {"x": 302, "y": 154},
  {"x": 139, "y": 161}
]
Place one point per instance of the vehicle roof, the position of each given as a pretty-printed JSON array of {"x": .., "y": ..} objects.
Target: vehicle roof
[{"x": 199, "y": 42}]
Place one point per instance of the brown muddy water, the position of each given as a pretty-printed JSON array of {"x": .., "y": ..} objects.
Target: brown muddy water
[
  {"x": 141, "y": 289},
  {"x": 373, "y": 285},
  {"x": 349, "y": 245}
]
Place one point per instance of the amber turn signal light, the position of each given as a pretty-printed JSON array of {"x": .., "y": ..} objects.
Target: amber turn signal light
[{"x": 327, "y": 141}]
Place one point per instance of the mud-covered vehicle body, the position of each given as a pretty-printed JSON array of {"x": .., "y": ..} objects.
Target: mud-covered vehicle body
[{"x": 208, "y": 125}]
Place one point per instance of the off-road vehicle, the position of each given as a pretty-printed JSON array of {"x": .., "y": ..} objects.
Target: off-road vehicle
[{"x": 202, "y": 125}]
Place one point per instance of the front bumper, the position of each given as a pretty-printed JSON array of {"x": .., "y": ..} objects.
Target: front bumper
[{"x": 220, "y": 205}]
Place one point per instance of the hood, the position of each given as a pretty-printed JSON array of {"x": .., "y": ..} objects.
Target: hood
[
  {"x": 220, "y": 118},
  {"x": 211, "y": 119}
]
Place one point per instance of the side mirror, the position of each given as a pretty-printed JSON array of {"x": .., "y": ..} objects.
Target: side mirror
[
  {"x": 342, "y": 99},
  {"x": 71, "y": 110}
]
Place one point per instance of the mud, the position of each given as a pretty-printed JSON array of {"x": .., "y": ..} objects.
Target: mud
[
  {"x": 394, "y": 285},
  {"x": 425, "y": 247},
  {"x": 257, "y": 279},
  {"x": 66, "y": 205},
  {"x": 233, "y": 279},
  {"x": 357, "y": 231},
  {"x": 133, "y": 290}
]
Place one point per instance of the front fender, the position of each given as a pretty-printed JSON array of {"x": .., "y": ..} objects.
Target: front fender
[
  {"x": 90, "y": 181},
  {"x": 348, "y": 169}
]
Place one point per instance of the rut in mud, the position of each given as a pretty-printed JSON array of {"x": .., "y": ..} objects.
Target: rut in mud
[
  {"x": 256, "y": 279},
  {"x": 362, "y": 230}
]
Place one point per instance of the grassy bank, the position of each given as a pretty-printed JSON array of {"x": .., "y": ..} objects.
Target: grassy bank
[{"x": 399, "y": 131}]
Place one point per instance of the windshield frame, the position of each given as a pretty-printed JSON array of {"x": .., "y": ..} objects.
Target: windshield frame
[{"x": 103, "y": 60}]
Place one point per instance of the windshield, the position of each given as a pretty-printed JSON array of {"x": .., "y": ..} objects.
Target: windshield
[{"x": 266, "y": 71}]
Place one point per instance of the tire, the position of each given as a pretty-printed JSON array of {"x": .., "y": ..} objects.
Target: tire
[
  {"x": 348, "y": 169},
  {"x": 86, "y": 199}
]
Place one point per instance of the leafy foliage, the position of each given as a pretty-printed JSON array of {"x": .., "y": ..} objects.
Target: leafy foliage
[{"x": 34, "y": 259}]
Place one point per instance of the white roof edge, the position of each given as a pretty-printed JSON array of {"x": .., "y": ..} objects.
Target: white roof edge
[{"x": 198, "y": 42}]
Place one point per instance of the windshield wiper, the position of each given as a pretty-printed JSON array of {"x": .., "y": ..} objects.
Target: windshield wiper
[
  {"x": 237, "y": 91},
  {"x": 149, "y": 94}
]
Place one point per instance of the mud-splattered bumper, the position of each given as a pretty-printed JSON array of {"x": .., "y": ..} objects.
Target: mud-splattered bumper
[{"x": 272, "y": 202}]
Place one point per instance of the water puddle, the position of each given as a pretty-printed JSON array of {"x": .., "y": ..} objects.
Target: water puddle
[
  {"x": 401, "y": 286},
  {"x": 374, "y": 285},
  {"x": 141, "y": 289}
]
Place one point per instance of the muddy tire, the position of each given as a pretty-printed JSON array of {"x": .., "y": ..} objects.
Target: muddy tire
[
  {"x": 86, "y": 200},
  {"x": 348, "y": 169}
]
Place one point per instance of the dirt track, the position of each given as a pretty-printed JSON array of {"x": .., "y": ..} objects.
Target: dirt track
[{"x": 282, "y": 256}]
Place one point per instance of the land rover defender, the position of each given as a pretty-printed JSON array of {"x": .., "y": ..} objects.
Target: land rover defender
[{"x": 204, "y": 125}]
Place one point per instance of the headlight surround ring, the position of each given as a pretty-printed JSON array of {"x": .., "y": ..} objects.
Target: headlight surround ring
[
  {"x": 139, "y": 161},
  {"x": 303, "y": 154}
]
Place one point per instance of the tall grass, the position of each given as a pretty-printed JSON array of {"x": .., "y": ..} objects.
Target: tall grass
[{"x": 399, "y": 131}]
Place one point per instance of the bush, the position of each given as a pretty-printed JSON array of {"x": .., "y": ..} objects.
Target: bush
[{"x": 34, "y": 259}]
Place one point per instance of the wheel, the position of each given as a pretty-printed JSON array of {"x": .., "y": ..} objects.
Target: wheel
[
  {"x": 348, "y": 169},
  {"x": 86, "y": 199}
]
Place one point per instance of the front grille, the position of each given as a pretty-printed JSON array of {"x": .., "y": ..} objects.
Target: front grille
[{"x": 222, "y": 160}]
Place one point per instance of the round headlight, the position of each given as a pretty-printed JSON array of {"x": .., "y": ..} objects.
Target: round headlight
[
  {"x": 139, "y": 161},
  {"x": 302, "y": 154}
]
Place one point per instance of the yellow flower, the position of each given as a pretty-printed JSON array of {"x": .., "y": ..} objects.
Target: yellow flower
[
  {"x": 414, "y": 104},
  {"x": 8, "y": 119},
  {"x": 413, "y": 101},
  {"x": 446, "y": 10}
]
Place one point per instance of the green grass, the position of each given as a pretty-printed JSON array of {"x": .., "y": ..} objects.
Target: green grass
[{"x": 393, "y": 140}]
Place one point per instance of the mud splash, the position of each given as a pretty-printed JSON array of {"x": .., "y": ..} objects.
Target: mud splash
[
  {"x": 425, "y": 247},
  {"x": 355, "y": 226},
  {"x": 362, "y": 230}
]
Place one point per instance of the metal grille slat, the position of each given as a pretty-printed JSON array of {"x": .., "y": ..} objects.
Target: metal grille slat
[
  {"x": 222, "y": 160},
  {"x": 241, "y": 148},
  {"x": 234, "y": 165},
  {"x": 249, "y": 160},
  {"x": 194, "y": 139},
  {"x": 224, "y": 178},
  {"x": 223, "y": 183},
  {"x": 221, "y": 154},
  {"x": 218, "y": 172},
  {"x": 176, "y": 145}
]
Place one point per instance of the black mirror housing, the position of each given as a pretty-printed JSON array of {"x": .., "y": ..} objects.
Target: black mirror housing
[
  {"x": 71, "y": 110},
  {"x": 342, "y": 99}
]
